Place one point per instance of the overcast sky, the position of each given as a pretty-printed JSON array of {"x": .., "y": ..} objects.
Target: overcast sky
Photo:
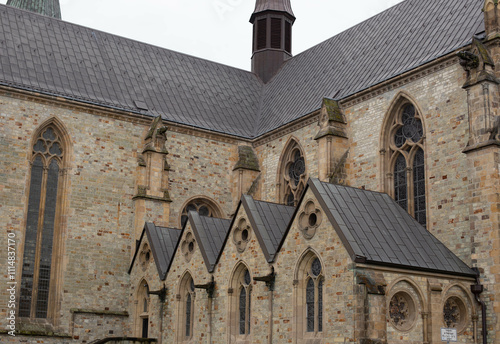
[{"x": 217, "y": 30}]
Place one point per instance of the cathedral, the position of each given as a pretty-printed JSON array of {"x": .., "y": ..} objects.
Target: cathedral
[{"x": 346, "y": 194}]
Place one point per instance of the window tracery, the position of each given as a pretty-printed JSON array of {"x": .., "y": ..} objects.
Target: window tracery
[
  {"x": 402, "y": 311},
  {"x": 455, "y": 313},
  {"x": 405, "y": 160},
  {"x": 202, "y": 206},
  {"x": 42, "y": 223},
  {"x": 292, "y": 174}
]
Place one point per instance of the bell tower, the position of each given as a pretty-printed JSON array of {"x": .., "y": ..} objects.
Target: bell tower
[
  {"x": 50, "y": 8},
  {"x": 272, "y": 36}
]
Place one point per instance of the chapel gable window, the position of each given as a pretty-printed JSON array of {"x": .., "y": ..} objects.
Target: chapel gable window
[
  {"x": 38, "y": 277},
  {"x": 404, "y": 159},
  {"x": 240, "y": 298},
  {"x": 309, "y": 281},
  {"x": 292, "y": 174},
  {"x": 186, "y": 298}
]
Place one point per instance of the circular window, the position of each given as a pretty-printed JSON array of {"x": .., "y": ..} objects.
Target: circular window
[
  {"x": 313, "y": 219},
  {"x": 455, "y": 313},
  {"x": 309, "y": 220},
  {"x": 144, "y": 256},
  {"x": 244, "y": 234},
  {"x": 188, "y": 246},
  {"x": 402, "y": 311},
  {"x": 241, "y": 235}
]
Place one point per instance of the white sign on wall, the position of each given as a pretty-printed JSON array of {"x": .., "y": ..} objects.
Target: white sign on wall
[{"x": 449, "y": 334}]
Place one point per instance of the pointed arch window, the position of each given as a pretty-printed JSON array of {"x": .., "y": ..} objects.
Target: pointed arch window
[
  {"x": 314, "y": 297},
  {"x": 244, "y": 303},
  {"x": 405, "y": 160},
  {"x": 142, "y": 310},
  {"x": 37, "y": 292},
  {"x": 240, "y": 300},
  {"x": 186, "y": 297},
  {"x": 203, "y": 206},
  {"x": 309, "y": 281},
  {"x": 292, "y": 174}
]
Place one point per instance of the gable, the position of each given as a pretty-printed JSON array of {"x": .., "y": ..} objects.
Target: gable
[
  {"x": 376, "y": 230},
  {"x": 163, "y": 242}
]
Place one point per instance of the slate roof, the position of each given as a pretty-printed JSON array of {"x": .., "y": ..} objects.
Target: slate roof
[
  {"x": 269, "y": 221},
  {"x": 163, "y": 242},
  {"x": 210, "y": 233},
  {"x": 376, "y": 230},
  {"x": 47, "y": 55}
]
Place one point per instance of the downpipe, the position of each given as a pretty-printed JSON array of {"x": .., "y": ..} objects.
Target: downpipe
[{"x": 477, "y": 289}]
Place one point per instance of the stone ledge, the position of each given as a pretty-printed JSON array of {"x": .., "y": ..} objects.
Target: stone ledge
[
  {"x": 98, "y": 312},
  {"x": 37, "y": 334}
]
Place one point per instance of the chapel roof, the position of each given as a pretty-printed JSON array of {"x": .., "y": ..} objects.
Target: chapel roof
[
  {"x": 163, "y": 242},
  {"x": 376, "y": 230},
  {"x": 210, "y": 234},
  {"x": 50, "y": 56}
]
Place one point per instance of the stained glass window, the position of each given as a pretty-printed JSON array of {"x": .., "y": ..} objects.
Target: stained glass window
[
  {"x": 419, "y": 187},
  {"x": 409, "y": 166},
  {"x": 188, "y": 315},
  {"x": 244, "y": 303},
  {"x": 310, "y": 305},
  {"x": 40, "y": 225},
  {"x": 292, "y": 174},
  {"x": 243, "y": 309},
  {"x": 320, "y": 305},
  {"x": 400, "y": 184},
  {"x": 200, "y": 205}
]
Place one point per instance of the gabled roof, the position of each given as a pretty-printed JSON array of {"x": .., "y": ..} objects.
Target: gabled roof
[
  {"x": 376, "y": 230},
  {"x": 163, "y": 242},
  {"x": 210, "y": 233},
  {"x": 46, "y": 55},
  {"x": 269, "y": 221}
]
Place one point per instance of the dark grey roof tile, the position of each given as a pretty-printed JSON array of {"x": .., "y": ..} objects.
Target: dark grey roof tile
[{"x": 393, "y": 236}]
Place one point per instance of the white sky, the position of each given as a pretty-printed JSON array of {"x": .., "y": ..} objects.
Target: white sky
[{"x": 217, "y": 30}]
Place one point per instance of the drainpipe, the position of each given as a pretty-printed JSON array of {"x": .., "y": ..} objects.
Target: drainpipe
[
  {"x": 477, "y": 289},
  {"x": 162, "y": 294},
  {"x": 269, "y": 280},
  {"x": 210, "y": 288}
]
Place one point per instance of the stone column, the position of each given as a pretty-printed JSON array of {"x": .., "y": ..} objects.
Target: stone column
[
  {"x": 152, "y": 199},
  {"x": 246, "y": 174},
  {"x": 483, "y": 159}
]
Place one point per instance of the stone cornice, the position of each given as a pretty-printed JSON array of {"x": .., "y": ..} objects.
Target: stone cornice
[{"x": 411, "y": 272}]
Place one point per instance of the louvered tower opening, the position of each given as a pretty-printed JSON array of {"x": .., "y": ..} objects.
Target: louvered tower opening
[{"x": 276, "y": 33}]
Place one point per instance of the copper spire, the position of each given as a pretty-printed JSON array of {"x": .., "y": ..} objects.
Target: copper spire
[
  {"x": 49, "y": 8},
  {"x": 273, "y": 5}
]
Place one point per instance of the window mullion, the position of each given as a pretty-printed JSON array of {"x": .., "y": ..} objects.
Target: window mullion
[
  {"x": 36, "y": 270},
  {"x": 409, "y": 186}
]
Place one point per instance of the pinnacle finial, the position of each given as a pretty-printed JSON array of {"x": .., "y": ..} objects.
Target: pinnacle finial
[
  {"x": 50, "y": 8},
  {"x": 273, "y": 5}
]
